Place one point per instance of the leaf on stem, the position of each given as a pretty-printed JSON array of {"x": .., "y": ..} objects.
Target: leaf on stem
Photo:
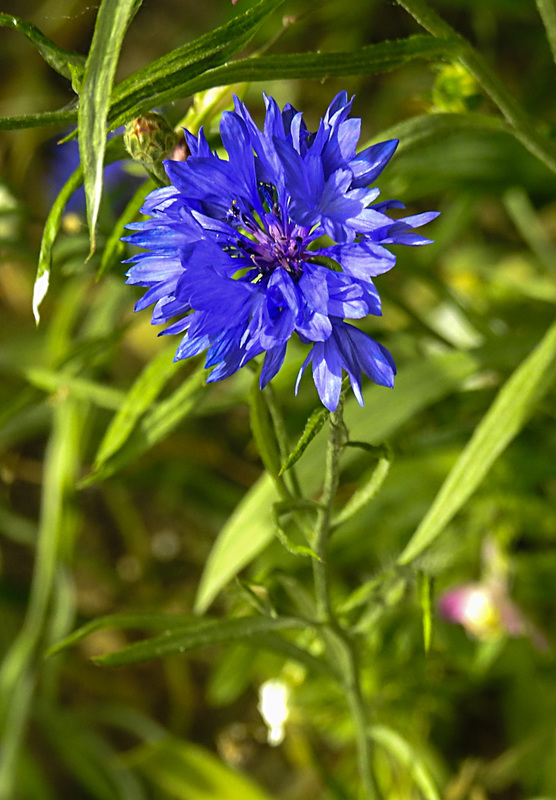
[
  {"x": 365, "y": 493},
  {"x": 163, "y": 80},
  {"x": 290, "y": 507},
  {"x": 314, "y": 424},
  {"x": 201, "y": 632},
  {"x": 67, "y": 63}
]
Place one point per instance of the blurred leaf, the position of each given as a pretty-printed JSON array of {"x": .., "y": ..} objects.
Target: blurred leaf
[
  {"x": 89, "y": 757},
  {"x": 70, "y": 65},
  {"x": 406, "y": 755},
  {"x": 425, "y": 128},
  {"x": 51, "y": 381},
  {"x": 148, "y": 621},
  {"x": 17, "y": 527},
  {"x": 146, "y": 387},
  {"x": 161, "y": 81},
  {"x": 365, "y": 493},
  {"x": 313, "y": 426},
  {"x": 247, "y": 531},
  {"x": 509, "y": 412},
  {"x": 383, "y": 589},
  {"x": 523, "y": 214},
  {"x": 54, "y": 544},
  {"x": 265, "y": 435},
  {"x": 114, "y": 151},
  {"x": 183, "y": 633},
  {"x": 425, "y": 583},
  {"x": 202, "y": 632},
  {"x": 185, "y": 771},
  {"x": 111, "y": 24},
  {"x": 547, "y": 10},
  {"x": 154, "y": 425}
]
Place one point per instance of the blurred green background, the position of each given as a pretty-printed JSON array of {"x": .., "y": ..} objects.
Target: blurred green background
[{"x": 477, "y": 711}]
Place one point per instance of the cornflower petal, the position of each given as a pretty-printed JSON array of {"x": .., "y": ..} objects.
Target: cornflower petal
[{"x": 237, "y": 252}]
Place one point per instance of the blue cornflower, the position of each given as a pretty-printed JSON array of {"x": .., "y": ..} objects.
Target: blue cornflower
[{"x": 281, "y": 237}]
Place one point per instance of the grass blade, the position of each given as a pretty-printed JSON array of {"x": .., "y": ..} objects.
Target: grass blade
[
  {"x": 69, "y": 64},
  {"x": 112, "y": 22},
  {"x": 509, "y": 412}
]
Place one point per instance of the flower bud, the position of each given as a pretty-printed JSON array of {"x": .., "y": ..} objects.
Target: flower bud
[{"x": 150, "y": 139}]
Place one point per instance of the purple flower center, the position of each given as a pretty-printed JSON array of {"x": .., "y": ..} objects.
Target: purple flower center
[{"x": 266, "y": 241}]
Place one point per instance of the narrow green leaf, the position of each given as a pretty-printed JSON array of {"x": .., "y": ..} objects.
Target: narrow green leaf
[
  {"x": 114, "y": 152},
  {"x": 145, "y": 621},
  {"x": 384, "y": 589},
  {"x": 509, "y": 412},
  {"x": 19, "y": 669},
  {"x": 111, "y": 24},
  {"x": 248, "y": 531},
  {"x": 197, "y": 634},
  {"x": 312, "y": 427},
  {"x": 70, "y": 65},
  {"x": 407, "y": 755},
  {"x": 425, "y": 584},
  {"x": 140, "y": 397},
  {"x": 367, "y": 491},
  {"x": 159, "y": 83},
  {"x": 264, "y": 435},
  {"x": 153, "y": 427},
  {"x": 51, "y": 381},
  {"x": 50, "y": 232},
  {"x": 289, "y": 507},
  {"x": 184, "y": 771},
  {"x": 371, "y": 60},
  {"x": 547, "y": 10},
  {"x": 426, "y": 128},
  {"x": 64, "y": 116}
]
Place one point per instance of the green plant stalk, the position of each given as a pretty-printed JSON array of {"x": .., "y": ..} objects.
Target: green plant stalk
[
  {"x": 337, "y": 640},
  {"x": 281, "y": 438},
  {"x": 17, "y": 677},
  {"x": 321, "y": 535},
  {"x": 523, "y": 126}
]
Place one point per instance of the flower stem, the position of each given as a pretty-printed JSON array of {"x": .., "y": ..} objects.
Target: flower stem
[
  {"x": 336, "y": 441},
  {"x": 338, "y": 642},
  {"x": 524, "y": 127}
]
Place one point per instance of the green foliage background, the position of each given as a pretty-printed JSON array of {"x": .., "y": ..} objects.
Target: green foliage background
[{"x": 136, "y": 519}]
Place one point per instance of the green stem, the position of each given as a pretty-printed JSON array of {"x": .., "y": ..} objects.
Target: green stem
[
  {"x": 357, "y": 707},
  {"x": 515, "y": 114},
  {"x": 281, "y": 439},
  {"x": 340, "y": 647},
  {"x": 336, "y": 441}
]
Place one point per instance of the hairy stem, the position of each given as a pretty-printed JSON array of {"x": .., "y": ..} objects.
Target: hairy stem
[
  {"x": 340, "y": 647},
  {"x": 336, "y": 441}
]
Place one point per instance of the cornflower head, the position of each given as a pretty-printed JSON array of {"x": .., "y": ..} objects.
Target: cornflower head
[{"x": 283, "y": 237}]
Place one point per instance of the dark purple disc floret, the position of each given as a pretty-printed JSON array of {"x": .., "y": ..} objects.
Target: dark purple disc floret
[{"x": 281, "y": 237}]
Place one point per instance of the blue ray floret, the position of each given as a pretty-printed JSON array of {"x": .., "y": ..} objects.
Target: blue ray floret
[{"x": 281, "y": 237}]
